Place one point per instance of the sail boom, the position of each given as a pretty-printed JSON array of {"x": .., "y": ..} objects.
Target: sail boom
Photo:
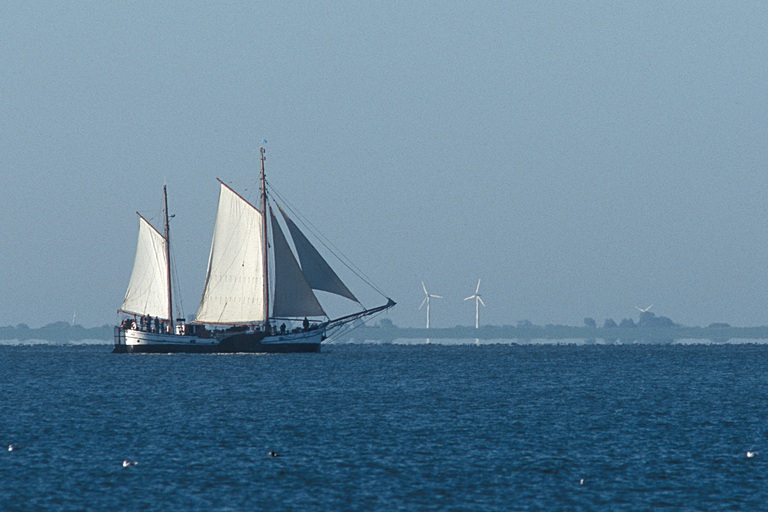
[
  {"x": 235, "y": 322},
  {"x": 130, "y": 311}
]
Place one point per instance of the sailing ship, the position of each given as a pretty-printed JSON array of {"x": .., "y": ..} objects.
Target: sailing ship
[{"x": 240, "y": 308}]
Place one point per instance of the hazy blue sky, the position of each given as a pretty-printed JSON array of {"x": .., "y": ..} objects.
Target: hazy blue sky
[{"x": 580, "y": 157}]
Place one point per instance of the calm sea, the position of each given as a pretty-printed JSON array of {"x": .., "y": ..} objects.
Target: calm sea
[{"x": 387, "y": 427}]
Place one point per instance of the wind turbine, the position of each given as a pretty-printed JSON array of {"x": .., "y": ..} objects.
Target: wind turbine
[
  {"x": 643, "y": 310},
  {"x": 427, "y": 299},
  {"x": 478, "y": 300}
]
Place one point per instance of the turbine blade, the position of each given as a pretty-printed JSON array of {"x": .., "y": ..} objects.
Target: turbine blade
[
  {"x": 425, "y": 288},
  {"x": 478, "y": 287},
  {"x": 436, "y": 296},
  {"x": 423, "y": 302},
  {"x": 481, "y": 300},
  {"x": 470, "y": 297}
]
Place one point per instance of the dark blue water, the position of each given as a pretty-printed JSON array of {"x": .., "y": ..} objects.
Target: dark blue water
[{"x": 387, "y": 427}]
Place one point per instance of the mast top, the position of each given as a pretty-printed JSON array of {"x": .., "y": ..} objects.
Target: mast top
[{"x": 263, "y": 159}]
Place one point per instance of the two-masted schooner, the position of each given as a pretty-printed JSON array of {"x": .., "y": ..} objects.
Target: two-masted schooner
[{"x": 240, "y": 309}]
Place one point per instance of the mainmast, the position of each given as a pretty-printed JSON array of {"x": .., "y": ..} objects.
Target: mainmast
[
  {"x": 264, "y": 241},
  {"x": 168, "y": 258}
]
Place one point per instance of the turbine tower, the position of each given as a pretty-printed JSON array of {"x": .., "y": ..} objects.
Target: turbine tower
[
  {"x": 427, "y": 299},
  {"x": 478, "y": 300},
  {"x": 643, "y": 310}
]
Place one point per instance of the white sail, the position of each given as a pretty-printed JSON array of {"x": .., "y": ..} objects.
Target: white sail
[
  {"x": 293, "y": 296},
  {"x": 234, "y": 286},
  {"x": 147, "y": 292}
]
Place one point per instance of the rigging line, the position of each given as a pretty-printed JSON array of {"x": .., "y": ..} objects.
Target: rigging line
[
  {"x": 180, "y": 313},
  {"x": 154, "y": 216},
  {"x": 328, "y": 244},
  {"x": 357, "y": 322},
  {"x": 176, "y": 287}
]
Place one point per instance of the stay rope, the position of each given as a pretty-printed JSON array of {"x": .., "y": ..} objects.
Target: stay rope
[{"x": 343, "y": 259}]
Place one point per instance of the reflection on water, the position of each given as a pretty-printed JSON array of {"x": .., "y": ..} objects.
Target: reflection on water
[
  {"x": 567, "y": 341},
  {"x": 462, "y": 341}
]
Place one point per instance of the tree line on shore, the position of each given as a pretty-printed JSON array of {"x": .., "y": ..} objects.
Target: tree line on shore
[
  {"x": 56, "y": 331},
  {"x": 649, "y": 326}
]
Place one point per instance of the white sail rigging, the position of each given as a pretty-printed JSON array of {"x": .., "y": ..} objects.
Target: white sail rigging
[
  {"x": 257, "y": 276},
  {"x": 147, "y": 292},
  {"x": 240, "y": 267},
  {"x": 234, "y": 290}
]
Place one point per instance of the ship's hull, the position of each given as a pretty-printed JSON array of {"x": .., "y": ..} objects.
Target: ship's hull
[{"x": 132, "y": 341}]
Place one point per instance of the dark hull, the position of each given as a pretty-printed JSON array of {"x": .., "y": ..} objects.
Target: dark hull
[
  {"x": 217, "y": 349},
  {"x": 136, "y": 342}
]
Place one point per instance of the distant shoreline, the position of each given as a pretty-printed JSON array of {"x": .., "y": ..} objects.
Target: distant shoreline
[
  {"x": 65, "y": 332},
  {"x": 561, "y": 332},
  {"x": 56, "y": 332}
]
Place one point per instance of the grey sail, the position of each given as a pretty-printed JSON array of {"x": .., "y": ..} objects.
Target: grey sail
[
  {"x": 317, "y": 271},
  {"x": 293, "y": 297}
]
